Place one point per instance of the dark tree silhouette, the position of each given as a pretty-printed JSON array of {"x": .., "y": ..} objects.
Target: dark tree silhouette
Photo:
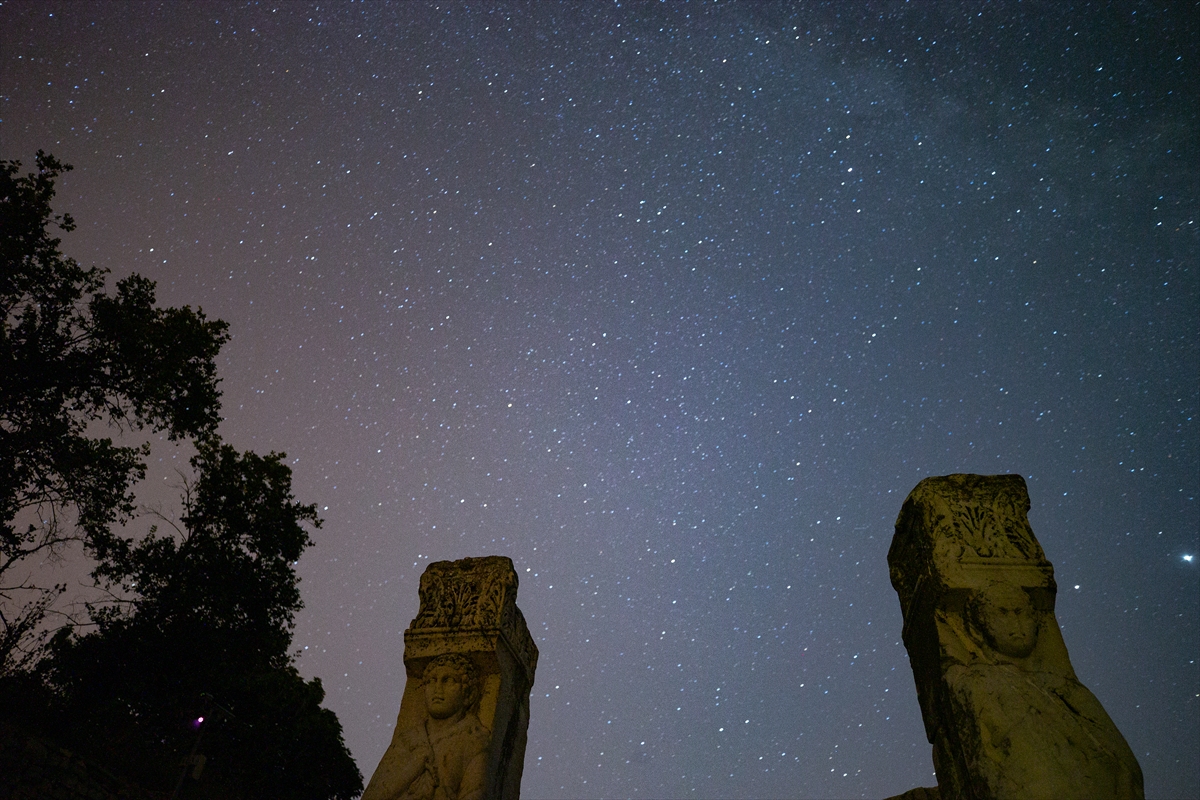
[
  {"x": 202, "y": 614},
  {"x": 71, "y": 356},
  {"x": 207, "y": 634}
]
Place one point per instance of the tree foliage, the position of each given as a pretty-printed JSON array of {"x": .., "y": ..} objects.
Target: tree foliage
[
  {"x": 242, "y": 532},
  {"x": 203, "y": 612},
  {"x": 208, "y": 635},
  {"x": 71, "y": 356}
]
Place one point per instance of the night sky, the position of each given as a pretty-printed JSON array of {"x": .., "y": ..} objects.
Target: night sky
[{"x": 673, "y": 304}]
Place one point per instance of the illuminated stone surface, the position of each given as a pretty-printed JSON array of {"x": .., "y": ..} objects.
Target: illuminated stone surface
[
  {"x": 1002, "y": 706},
  {"x": 460, "y": 734}
]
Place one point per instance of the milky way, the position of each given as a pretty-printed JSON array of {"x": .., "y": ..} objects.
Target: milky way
[{"x": 673, "y": 304}]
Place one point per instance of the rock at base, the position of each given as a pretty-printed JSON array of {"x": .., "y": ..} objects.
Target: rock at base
[{"x": 919, "y": 793}]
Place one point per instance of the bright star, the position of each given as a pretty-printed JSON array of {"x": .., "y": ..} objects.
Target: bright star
[{"x": 1188, "y": 558}]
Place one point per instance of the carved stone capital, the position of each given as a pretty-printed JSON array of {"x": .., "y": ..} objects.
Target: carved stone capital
[{"x": 469, "y": 606}]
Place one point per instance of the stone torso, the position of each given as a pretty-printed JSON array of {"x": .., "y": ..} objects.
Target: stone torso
[{"x": 459, "y": 761}]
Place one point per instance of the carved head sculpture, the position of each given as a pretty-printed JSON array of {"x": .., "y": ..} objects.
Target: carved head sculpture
[
  {"x": 1005, "y": 615},
  {"x": 451, "y": 685}
]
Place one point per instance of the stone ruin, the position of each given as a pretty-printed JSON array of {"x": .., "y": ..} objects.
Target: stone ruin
[
  {"x": 469, "y": 658},
  {"x": 1003, "y": 709},
  {"x": 1002, "y": 706}
]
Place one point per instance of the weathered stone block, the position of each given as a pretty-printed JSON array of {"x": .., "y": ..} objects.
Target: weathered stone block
[
  {"x": 1003, "y": 708},
  {"x": 470, "y": 661}
]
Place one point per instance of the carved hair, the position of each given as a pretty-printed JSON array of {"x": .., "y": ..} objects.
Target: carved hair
[
  {"x": 984, "y": 596},
  {"x": 464, "y": 666}
]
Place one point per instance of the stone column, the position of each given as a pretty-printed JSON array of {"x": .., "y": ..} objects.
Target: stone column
[
  {"x": 470, "y": 660},
  {"x": 1003, "y": 709}
]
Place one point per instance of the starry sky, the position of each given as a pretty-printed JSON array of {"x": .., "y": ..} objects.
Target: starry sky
[{"x": 673, "y": 304}]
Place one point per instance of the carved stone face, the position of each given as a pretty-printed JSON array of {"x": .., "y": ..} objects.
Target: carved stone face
[
  {"x": 1008, "y": 620},
  {"x": 445, "y": 694}
]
